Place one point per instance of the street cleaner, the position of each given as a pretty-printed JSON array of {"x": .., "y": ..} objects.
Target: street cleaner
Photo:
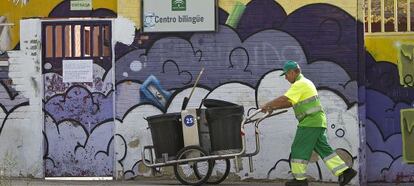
[{"x": 311, "y": 132}]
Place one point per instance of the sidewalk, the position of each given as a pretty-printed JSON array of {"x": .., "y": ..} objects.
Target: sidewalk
[
  {"x": 159, "y": 182},
  {"x": 138, "y": 181}
]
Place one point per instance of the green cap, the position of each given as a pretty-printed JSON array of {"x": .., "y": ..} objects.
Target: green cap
[{"x": 289, "y": 65}]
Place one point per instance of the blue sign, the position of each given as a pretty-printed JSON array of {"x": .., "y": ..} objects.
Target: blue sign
[{"x": 189, "y": 120}]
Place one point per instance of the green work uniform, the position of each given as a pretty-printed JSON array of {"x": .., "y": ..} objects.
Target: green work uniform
[{"x": 311, "y": 133}]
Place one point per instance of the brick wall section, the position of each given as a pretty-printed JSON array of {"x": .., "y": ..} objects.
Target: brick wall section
[{"x": 21, "y": 137}]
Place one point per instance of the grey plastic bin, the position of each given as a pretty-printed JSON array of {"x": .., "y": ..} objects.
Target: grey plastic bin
[
  {"x": 167, "y": 134},
  {"x": 224, "y": 126}
]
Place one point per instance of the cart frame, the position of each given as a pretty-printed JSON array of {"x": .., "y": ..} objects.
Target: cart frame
[{"x": 246, "y": 120}]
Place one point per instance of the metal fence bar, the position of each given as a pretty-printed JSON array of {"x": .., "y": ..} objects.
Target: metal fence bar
[
  {"x": 382, "y": 15},
  {"x": 53, "y": 41},
  {"x": 72, "y": 30},
  {"x": 369, "y": 16},
  {"x": 82, "y": 41},
  {"x": 63, "y": 41},
  {"x": 395, "y": 15},
  {"x": 6, "y": 24},
  {"x": 408, "y": 15}
]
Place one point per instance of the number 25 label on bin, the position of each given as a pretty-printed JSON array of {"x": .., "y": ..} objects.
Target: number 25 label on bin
[{"x": 189, "y": 120}]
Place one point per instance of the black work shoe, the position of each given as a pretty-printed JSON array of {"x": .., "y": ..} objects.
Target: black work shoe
[
  {"x": 346, "y": 176},
  {"x": 296, "y": 182}
]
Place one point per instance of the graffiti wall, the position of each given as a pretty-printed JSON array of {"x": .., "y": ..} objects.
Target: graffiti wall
[
  {"x": 59, "y": 139},
  {"x": 152, "y": 73},
  {"x": 242, "y": 63},
  {"x": 389, "y": 107},
  {"x": 21, "y": 126},
  {"x": 389, "y": 92},
  {"x": 79, "y": 122}
]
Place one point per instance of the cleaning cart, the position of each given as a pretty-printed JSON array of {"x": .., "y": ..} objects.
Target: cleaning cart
[{"x": 197, "y": 141}]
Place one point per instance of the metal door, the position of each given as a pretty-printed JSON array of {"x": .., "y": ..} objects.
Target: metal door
[{"x": 78, "y": 98}]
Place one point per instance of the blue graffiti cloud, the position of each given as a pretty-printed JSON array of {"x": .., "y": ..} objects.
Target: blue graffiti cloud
[
  {"x": 383, "y": 77},
  {"x": 78, "y": 104},
  {"x": 384, "y": 112},
  {"x": 227, "y": 59}
]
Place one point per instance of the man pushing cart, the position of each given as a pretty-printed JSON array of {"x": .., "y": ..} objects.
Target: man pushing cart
[{"x": 194, "y": 141}]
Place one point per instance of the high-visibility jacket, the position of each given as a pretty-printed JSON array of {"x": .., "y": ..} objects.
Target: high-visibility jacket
[{"x": 306, "y": 104}]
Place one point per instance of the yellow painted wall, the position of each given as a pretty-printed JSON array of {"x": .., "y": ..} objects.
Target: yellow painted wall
[
  {"x": 130, "y": 9},
  {"x": 386, "y": 47},
  {"x": 346, "y": 5},
  {"x": 38, "y": 8}
]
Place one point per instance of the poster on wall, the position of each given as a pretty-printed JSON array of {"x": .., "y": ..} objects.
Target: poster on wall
[
  {"x": 77, "y": 71},
  {"x": 179, "y": 15},
  {"x": 81, "y": 5}
]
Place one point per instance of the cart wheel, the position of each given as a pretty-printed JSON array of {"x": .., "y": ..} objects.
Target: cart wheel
[
  {"x": 221, "y": 170},
  {"x": 186, "y": 172}
]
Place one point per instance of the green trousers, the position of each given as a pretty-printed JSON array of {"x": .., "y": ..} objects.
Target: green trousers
[{"x": 307, "y": 140}]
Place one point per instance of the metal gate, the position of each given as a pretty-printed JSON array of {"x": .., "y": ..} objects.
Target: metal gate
[{"x": 78, "y": 98}]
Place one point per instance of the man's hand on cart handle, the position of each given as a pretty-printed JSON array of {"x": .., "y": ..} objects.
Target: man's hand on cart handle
[
  {"x": 267, "y": 108},
  {"x": 250, "y": 116},
  {"x": 280, "y": 102},
  {"x": 250, "y": 119}
]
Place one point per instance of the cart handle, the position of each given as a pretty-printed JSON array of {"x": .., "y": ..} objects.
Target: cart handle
[
  {"x": 252, "y": 115},
  {"x": 267, "y": 115}
]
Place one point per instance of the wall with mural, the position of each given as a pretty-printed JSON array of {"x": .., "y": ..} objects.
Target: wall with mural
[
  {"x": 83, "y": 131},
  {"x": 79, "y": 125},
  {"x": 28, "y": 142},
  {"x": 389, "y": 106},
  {"x": 389, "y": 91},
  {"x": 242, "y": 61}
]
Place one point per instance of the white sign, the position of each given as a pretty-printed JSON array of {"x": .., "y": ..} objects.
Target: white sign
[
  {"x": 178, "y": 15},
  {"x": 77, "y": 70},
  {"x": 80, "y": 4}
]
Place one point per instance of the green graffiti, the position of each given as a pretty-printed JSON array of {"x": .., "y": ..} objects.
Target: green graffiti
[
  {"x": 407, "y": 125},
  {"x": 406, "y": 65},
  {"x": 235, "y": 15},
  {"x": 408, "y": 121}
]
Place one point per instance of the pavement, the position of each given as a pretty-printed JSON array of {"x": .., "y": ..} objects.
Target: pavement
[
  {"x": 160, "y": 182},
  {"x": 40, "y": 182}
]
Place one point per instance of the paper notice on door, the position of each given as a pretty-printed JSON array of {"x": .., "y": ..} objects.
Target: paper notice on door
[{"x": 77, "y": 71}]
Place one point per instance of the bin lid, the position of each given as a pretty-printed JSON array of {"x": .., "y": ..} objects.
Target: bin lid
[
  {"x": 164, "y": 117},
  {"x": 210, "y": 103}
]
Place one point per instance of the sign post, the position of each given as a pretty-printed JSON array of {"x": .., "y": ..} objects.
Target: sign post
[{"x": 179, "y": 15}]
